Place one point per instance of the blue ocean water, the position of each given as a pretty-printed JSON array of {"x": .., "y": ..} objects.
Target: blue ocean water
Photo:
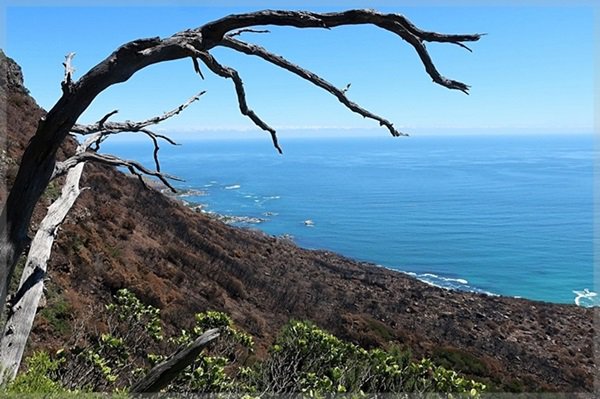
[{"x": 509, "y": 215}]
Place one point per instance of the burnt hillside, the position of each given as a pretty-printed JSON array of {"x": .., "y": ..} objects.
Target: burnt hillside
[{"x": 122, "y": 235}]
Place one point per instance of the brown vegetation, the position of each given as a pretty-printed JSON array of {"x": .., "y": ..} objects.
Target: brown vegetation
[{"x": 120, "y": 234}]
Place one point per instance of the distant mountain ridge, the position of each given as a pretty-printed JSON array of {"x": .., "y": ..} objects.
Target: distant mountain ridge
[{"x": 121, "y": 235}]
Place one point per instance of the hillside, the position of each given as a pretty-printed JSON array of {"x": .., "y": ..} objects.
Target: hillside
[{"x": 120, "y": 235}]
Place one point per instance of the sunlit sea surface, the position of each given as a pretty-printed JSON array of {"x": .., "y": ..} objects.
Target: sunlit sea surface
[{"x": 508, "y": 215}]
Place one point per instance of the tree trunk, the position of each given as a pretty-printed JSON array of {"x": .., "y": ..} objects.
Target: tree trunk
[
  {"x": 163, "y": 373},
  {"x": 39, "y": 159},
  {"x": 23, "y": 306}
]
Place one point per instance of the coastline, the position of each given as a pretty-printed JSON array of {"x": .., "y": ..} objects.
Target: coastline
[
  {"x": 121, "y": 235},
  {"x": 531, "y": 340},
  {"x": 590, "y": 298}
]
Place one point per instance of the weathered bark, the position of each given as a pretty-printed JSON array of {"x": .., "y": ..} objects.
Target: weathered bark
[
  {"x": 38, "y": 162},
  {"x": 24, "y": 304},
  {"x": 163, "y": 373}
]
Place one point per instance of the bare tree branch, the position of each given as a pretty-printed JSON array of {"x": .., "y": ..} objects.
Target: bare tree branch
[
  {"x": 278, "y": 60},
  {"x": 103, "y": 120},
  {"x": 163, "y": 373},
  {"x": 67, "y": 83},
  {"x": 398, "y": 24},
  {"x": 241, "y": 31},
  {"x": 197, "y": 67},
  {"x": 102, "y": 129},
  {"x": 134, "y": 167},
  {"x": 130, "y": 126},
  {"x": 232, "y": 74}
]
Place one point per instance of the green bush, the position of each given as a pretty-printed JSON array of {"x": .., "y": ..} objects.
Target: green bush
[
  {"x": 36, "y": 378},
  {"x": 115, "y": 358},
  {"x": 57, "y": 311},
  {"x": 459, "y": 360},
  {"x": 307, "y": 359},
  {"x": 304, "y": 359},
  {"x": 216, "y": 369}
]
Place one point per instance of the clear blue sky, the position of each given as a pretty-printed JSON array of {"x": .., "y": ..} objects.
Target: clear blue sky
[{"x": 533, "y": 70}]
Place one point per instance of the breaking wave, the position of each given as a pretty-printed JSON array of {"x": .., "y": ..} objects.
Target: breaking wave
[
  {"x": 586, "y": 298},
  {"x": 459, "y": 284}
]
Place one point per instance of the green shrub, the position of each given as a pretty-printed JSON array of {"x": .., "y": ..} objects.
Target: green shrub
[
  {"x": 115, "y": 358},
  {"x": 304, "y": 359},
  {"x": 215, "y": 370},
  {"x": 459, "y": 360},
  {"x": 57, "y": 311},
  {"x": 38, "y": 376},
  {"x": 129, "y": 310},
  {"x": 307, "y": 359}
]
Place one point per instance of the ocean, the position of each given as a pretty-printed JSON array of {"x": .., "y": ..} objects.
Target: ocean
[{"x": 504, "y": 215}]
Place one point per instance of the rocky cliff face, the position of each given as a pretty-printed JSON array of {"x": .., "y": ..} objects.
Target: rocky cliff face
[
  {"x": 122, "y": 235},
  {"x": 12, "y": 75}
]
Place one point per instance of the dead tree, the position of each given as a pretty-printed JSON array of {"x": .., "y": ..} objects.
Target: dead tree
[
  {"x": 22, "y": 306},
  {"x": 38, "y": 164},
  {"x": 163, "y": 373}
]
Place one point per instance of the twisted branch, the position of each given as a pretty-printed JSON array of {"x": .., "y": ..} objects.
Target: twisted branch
[
  {"x": 134, "y": 167},
  {"x": 232, "y": 74},
  {"x": 102, "y": 129},
  {"x": 67, "y": 83},
  {"x": 130, "y": 126},
  {"x": 252, "y": 49},
  {"x": 214, "y": 33}
]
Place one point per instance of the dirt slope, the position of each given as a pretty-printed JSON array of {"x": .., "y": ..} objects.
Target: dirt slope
[{"x": 122, "y": 235}]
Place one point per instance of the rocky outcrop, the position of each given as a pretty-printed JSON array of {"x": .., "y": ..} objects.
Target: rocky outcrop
[{"x": 12, "y": 75}]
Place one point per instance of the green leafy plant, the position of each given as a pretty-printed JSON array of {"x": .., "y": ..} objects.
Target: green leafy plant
[
  {"x": 113, "y": 359},
  {"x": 128, "y": 309},
  {"x": 57, "y": 311},
  {"x": 38, "y": 376},
  {"x": 309, "y": 360},
  {"x": 217, "y": 369},
  {"x": 304, "y": 359}
]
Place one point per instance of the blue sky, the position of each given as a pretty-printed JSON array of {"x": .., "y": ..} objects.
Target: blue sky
[{"x": 534, "y": 70}]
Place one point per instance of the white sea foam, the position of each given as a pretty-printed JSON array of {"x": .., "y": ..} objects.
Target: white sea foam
[
  {"x": 233, "y": 187},
  {"x": 192, "y": 193},
  {"x": 446, "y": 279},
  {"x": 448, "y": 283},
  {"x": 586, "y": 298}
]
